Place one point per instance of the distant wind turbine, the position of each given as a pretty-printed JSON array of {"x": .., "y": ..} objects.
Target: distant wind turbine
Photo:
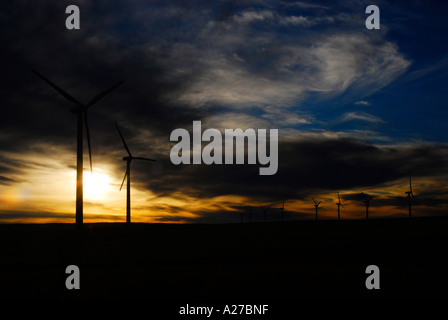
[
  {"x": 265, "y": 212},
  {"x": 316, "y": 204},
  {"x": 81, "y": 111},
  {"x": 367, "y": 199},
  {"x": 339, "y": 204},
  {"x": 127, "y": 174},
  {"x": 283, "y": 211},
  {"x": 410, "y": 194}
]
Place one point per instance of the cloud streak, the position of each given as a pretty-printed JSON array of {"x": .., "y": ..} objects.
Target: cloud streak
[
  {"x": 329, "y": 66},
  {"x": 363, "y": 116}
]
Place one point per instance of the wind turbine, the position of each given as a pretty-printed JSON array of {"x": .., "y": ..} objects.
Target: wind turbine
[
  {"x": 128, "y": 160},
  {"x": 316, "y": 204},
  {"x": 410, "y": 194},
  {"x": 81, "y": 111},
  {"x": 283, "y": 210},
  {"x": 339, "y": 204},
  {"x": 367, "y": 199},
  {"x": 265, "y": 211}
]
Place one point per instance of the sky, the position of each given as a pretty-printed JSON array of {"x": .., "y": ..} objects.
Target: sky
[{"x": 357, "y": 110}]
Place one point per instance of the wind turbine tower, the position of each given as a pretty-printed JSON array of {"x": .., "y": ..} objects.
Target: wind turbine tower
[
  {"x": 316, "y": 204},
  {"x": 127, "y": 174},
  {"x": 410, "y": 194},
  {"x": 283, "y": 211},
  {"x": 339, "y": 204},
  {"x": 81, "y": 111},
  {"x": 367, "y": 199}
]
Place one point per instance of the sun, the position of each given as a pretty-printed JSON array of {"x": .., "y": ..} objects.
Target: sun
[{"x": 96, "y": 185}]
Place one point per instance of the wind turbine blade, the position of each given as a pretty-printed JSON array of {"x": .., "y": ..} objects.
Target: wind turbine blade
[
  {"x": 101, "y": 95},
  {"x": 122, "y": 139},
  {"x": 62, "y": 92},
  {"x": 141, "y": 158},
  {"x": 88, "y": 140},
  {"x": 314, "y": 201},
  {"x": 339, "y": 197},
  {"x": 410, "y": 184},
  {"x": 319, "y": 203},
  {"x": 124, "y": 178}
]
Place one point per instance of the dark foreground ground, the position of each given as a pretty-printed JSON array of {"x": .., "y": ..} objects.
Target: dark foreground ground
[{"x": 232, "y": 263}]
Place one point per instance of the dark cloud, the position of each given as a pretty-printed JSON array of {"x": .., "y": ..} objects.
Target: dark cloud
[
  {"x": 6, "y": 180},
  {"x": 83, "y": 63},
  {"x": 23, "y": 216},
  {"x": 305, "y": 167},
  {"x": 20, "y": 216}
]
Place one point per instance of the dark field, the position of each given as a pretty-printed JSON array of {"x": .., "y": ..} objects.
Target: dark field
[{"x": 233, "y": 262}]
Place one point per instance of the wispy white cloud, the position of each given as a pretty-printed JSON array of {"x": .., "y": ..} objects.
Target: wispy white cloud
[
  {"x": 363, "y": 116},
  {"x": 282, "y": 117},
  {"x": 297, "y": 21},
  {"x": 253, "y": 15},
  {"x": 234, "y": 120},
  {"x": 291, "y": 134},
  {"x": 233, "y": 63},
  {"x": 310, "y": 21},
  {"x": 331, "y": 65},
  {"x": 362, "y": 103},
  {"x": 304, "y": 5},
  {"x": 424, "y": 71}
]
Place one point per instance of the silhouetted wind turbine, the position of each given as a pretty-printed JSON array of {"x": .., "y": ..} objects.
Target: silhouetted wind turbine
[
  {"x": 410, "y": 194},
  {"x": 283, "y": 210},
  {"x": 128, "y": 160},
  {"x": 316, "y": 204},
  {"x": 339, "y": 204},
  {"x": 81, "y": 111},
  {"x": 367, "y": 199}
]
